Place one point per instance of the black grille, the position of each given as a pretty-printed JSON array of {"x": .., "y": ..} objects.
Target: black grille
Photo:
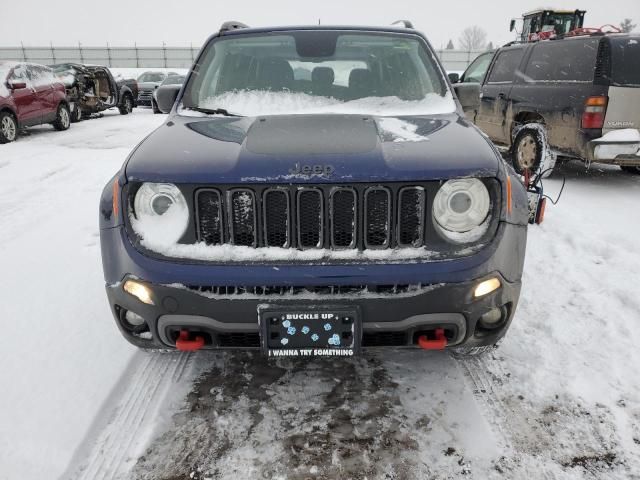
[
  {"x": 377, "y": 220},
  {"x": 287, "y": 290},
  {"x": 310, "y": 218},
  {"x": 411, "y": 216},
  {"x": 343, "y": 216},
  {"x": 357, "y": 216},
  {"x": 209, "y": 208},
  {"x": 276, "y": 218},
  {"x": 242, "y": 211}
]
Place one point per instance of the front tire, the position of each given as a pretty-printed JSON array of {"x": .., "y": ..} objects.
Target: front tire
[
  {"x": 634, "y": 170},
  {"x": 127, "y": 105},
  {"x": 76, "y": 114},
  {"x": 8, "y": 127},
  {"x": 63, "y": 118},
  {"x": 530, "y": 151}
]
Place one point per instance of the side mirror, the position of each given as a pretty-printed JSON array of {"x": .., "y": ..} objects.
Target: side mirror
[
  {"x": 166, "y": 96},
  {"x": 454, "y": 77},
  {"x": 512, "y": 25},
  {"x": 469, "y": 95},
  {"x": 17, "y": 85}
]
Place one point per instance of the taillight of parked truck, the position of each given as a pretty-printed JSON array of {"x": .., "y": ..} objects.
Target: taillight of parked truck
[{"x": 595, "y": 109}]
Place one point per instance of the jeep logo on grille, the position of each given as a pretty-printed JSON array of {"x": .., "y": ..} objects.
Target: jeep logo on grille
[{"x": 312, "y": 170}]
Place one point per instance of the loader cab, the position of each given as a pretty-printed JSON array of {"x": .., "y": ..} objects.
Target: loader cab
[{"x": 545, "y": 24}]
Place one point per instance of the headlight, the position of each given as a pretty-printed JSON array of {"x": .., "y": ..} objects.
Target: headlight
[
  {"x": 461, "y": 208},
  {"x": 161, "y": 213}
]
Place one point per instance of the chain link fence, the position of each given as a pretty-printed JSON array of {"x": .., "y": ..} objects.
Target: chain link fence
[{"x": 160, "y": 57}]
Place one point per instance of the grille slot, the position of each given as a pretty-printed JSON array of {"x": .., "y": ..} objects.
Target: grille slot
[
  {"x": 411, "y": 203},
  {"x": 384, "y": 339},
  {"x": 320, "y": 290},
  {"x": 343, "y": 218},
  {"x": 209, "y": 217},
  {"x": 239, "y": 339},
  {"x": 310, "y": 218},
  {"x": 242, "y": 217},
  {"x": 377, "y": 217},
  {"x": 276, "y": 214}
]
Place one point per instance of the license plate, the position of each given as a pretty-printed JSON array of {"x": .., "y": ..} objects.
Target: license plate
[{"x": 309, "y": 331}]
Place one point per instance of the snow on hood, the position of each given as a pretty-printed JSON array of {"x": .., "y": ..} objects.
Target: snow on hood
[
  {"x": 257, "y": 103},
  {"x": 400, "y": 130}
]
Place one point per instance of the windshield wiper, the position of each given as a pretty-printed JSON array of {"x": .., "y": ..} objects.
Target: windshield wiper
[{"x": 213, "y": 111}]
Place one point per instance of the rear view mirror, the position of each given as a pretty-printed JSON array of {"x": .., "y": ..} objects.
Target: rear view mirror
[
  {"x": 512, "y": 26},
  {"x": 17, "y": 85},
  {"x": 454, "y": 77},
  {"x": 469, "y": 95},
  {"x": 166, "y": 96}
]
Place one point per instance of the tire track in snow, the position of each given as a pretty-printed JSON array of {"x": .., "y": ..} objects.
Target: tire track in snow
[{"x": 144, "y": 394}]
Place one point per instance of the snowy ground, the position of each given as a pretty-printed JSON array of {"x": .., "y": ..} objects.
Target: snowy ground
[{"x": 559, "y": 399}]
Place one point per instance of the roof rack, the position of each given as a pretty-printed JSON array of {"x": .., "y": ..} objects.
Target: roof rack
[
  {"x": 405, "y": 23},
  {"x": 232, "y": 25}
]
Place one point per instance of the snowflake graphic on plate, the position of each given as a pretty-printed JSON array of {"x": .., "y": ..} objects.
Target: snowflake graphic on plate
[
  {"x": 291, "y": 330},
  {"x": 286, "y": 324},
  {"x": 327, "y": 326},
  {"x": 305, "y": 330},
  {"x": 334, "y": 340},
  {"x": 284, "y": 341},
  {"x": 315, "y": 337}
]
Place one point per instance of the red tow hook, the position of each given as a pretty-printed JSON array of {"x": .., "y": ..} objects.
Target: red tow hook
[
  {"x": 185, "y": 345},
  {"x": 438, "y": 344}
]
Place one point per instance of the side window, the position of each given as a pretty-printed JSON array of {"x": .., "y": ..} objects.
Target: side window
[
  {"x": 476, "y": 71},
  {"x": 505, "y": 66},
  {"x": 563, "y": 61},
  {"x": 20, "y": 74}
]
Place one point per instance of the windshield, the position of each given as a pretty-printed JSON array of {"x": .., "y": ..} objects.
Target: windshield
[
  {"x": 319, "y": 72},
  {"x": 151, "y": 77},
  {"x": 625, "y": 54},
  {"x": 173, "y": 80}
]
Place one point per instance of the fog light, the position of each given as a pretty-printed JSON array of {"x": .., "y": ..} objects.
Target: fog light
[
  {"x": 139, "y": 290},
  {"x": 492, "y": 317},
  {"x": 134, "y": 319},
  {"x": 486, "y": 287}
]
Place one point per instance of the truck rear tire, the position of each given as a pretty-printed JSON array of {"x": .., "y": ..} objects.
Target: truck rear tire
[
  {"x": 76, "y": 114},
  {"x": 127, "y": 105},
  {"x": 530, "y": 151}
]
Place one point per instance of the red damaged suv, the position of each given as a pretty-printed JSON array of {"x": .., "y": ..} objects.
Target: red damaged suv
[{"x": 30, "y": 95}]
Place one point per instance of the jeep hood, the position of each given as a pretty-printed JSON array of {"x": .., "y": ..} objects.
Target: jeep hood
[{"x": 333, "y": 148}]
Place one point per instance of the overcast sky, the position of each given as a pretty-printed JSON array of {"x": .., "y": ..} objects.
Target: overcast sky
[{"x": 181, "y": 22}]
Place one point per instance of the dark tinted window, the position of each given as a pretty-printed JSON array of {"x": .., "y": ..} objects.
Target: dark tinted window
[
  {"x": 625, "y": 56},
  {"x": 563, "y": 61},
  {"x": 505, "y": 66}
]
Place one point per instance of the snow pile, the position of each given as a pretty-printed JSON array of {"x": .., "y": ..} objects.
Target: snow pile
[
  {"x": 61, "y": 353},
  {"x": 257, "y": 102},
  {"x": 617, "y": 142},
  {"x": 400, "y": 130}
]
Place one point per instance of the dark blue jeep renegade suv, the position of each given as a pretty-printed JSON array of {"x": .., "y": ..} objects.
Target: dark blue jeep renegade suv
[{"x": 314, "y": 191}]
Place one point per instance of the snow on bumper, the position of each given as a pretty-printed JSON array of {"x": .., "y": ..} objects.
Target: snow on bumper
[{"x": 620, "y": 147}]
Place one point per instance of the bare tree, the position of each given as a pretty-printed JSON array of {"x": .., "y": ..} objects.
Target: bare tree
[
  {"x": 490, "y": 46},
  {"x": 473, "y": 38},
  {"x": 626, "y": 26}
]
